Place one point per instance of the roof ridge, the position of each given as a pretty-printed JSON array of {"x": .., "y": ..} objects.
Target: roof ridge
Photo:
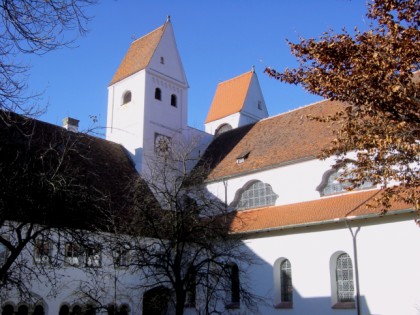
[
  {"x": 295, "y": 109},
  {"x": 237, "y": 77}
]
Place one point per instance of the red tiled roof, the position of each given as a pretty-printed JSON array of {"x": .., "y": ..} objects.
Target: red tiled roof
[
  {"x": 306, "y": 213},
  {"x": 138, "y": 55},
  {"x": 229, "y": 97},
  {"x": 281, "y": 139}
]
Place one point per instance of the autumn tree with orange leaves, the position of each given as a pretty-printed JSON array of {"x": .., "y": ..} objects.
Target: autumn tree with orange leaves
[{"x": 375, "y": 74}]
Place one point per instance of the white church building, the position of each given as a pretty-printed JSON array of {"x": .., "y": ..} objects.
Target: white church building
[{"x": 321, "y": 250}]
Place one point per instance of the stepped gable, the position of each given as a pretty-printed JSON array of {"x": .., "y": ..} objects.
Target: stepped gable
[
  {"x": 138, "y": 55},
  {"x": 63, "y": 178},
  {"x": 271, "y": 142},
  {"x": 326, "y": 210},
  {"x": 229, "y": 97}
]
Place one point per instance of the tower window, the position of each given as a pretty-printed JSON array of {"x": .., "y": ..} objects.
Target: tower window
[
  {"x": 158, "y": 94},
  {"x": 162, "y": 60},
  {"x": 126, "y": 97},
  {"x": 173, "y": 100},
  {"x": 259, "y": 105}
]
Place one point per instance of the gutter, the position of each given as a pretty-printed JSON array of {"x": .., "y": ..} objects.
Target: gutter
[{"x": 329, "y": 221}]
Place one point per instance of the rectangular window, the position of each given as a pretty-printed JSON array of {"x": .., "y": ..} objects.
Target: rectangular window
[
  {"x": 72, "y": 254},
  {"x": 93, "y": 257},
  {"x": 42, "y": 252},
  {"x": 122, "y": 257}
]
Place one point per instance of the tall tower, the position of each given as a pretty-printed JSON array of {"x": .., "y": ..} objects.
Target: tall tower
[
  {"x": 237, "y": 102},
  {"x": 148, "y": 96}
]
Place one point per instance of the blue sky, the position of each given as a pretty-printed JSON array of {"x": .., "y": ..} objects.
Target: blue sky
[{"x": 217, "y": 40}]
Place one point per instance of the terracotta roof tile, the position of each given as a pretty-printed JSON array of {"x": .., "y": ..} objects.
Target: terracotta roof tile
[
  {"x": 281, "y": 139},
  {"x": 229, "y": 97},
  {"x": 348, "y": 205},
  {"x": 138, "y": 55}
]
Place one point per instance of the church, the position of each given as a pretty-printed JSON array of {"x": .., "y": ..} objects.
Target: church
[{"x": 320, "y": 249}]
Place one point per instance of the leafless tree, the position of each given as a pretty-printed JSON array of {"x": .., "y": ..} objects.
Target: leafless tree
[
  {"x": 181, "y": 246},
  {"x": 33, "y": 27},
  {"x": 52, "y": 188}
]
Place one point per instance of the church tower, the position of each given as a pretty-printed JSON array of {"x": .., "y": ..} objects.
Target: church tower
[
  {"x": 148, "y": 96},
  {"x": 237, "y": 102}
]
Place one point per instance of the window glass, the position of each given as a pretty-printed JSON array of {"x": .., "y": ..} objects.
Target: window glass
[
  {"x": 286, "y": 281},
  {"x": 334, "y": 186},
  {"x": 158, "y": 94},
  {"x": 344, "y": 276},
  {"x": 127, "y": 97},
  {"x": 173, "y": 100},
  {"x": 257, "y": 195}
]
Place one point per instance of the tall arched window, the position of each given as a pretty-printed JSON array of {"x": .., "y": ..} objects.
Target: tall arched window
[
  {"x": 173, "y": 100},
  {"x": 286, "y": 281},
  {"x": 342, "y": 282},
  {"x": 258, "y": 194},
  {"x": 127, "y": 97},
  {"x": 158, "y": 94},
  {"x": 283, "y": 288},
  {"x": 344, "y": 278}
]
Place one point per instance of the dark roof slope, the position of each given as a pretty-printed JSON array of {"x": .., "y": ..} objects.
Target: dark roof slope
[
  {"x": 270, "y": 142},
  {"x": 49, "y": 175}
]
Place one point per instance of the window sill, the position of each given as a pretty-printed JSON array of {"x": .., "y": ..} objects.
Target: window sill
[
  {"x": 284, "y": 305},
  {"x": 344, "y": 305}
]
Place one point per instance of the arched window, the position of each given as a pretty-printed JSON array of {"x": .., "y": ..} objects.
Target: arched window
[
  {"x": 126, "y": 97},
  {"x": 158, "y": 94},
  {"x": 286, "y": 281},
  {"x": 23, "y": 310},
  {"x": 64, "y": 310},
  {"x": 222, "y": 128},
  {"x": 332, "y": 185},
  {"x": 39, "y": 310},
  {"x": 342, "y": 283},
  {"x": 162, "y": 60},
  {"x": 258, "y": 194},
  {"x": 283, "y": 288},
  {"x": 7, "y": 310},
  {"x": 173, "y": 100},
  {"x": 344, "y": 278}
]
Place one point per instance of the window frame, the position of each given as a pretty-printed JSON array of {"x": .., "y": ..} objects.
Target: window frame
[
  {"x": 269, "y": 198},
  {"x": 337, "y": 302},
  {"x": 234, "y": 287},
  {"x": 279, "y": 284},
  {"x": 93, "y": 256},
  {"x": 174, "y": 100},
  {"x": 158, "y": 94},
  {"x": 42, "y": 251},
  {"x": 76, "y": 252},
  {"x": 127, "y": 97}
]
